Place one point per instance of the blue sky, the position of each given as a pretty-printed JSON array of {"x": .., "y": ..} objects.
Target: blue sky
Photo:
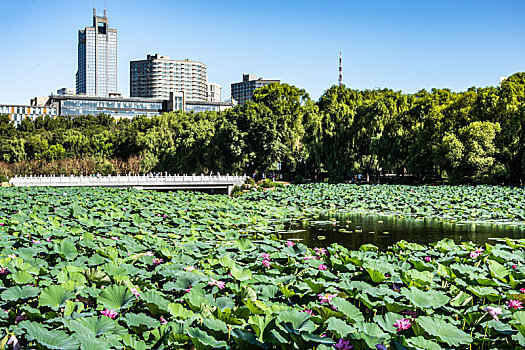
[{"x": 403, "y": 45}]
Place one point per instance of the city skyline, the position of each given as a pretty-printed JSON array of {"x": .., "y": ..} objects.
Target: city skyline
[{"x": 404, "y": 46}]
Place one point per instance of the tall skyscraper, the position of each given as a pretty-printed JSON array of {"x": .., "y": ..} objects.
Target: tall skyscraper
[{"x": 97, "y": 58}]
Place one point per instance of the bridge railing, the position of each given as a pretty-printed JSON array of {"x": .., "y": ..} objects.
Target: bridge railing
[{"x": 115, "y": 180}]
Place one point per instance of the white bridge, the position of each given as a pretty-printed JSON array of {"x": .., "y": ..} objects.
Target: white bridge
[{"x": 212, "y": 183}]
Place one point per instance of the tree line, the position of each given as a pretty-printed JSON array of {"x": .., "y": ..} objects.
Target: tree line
[{"x": 476, "y": 136}]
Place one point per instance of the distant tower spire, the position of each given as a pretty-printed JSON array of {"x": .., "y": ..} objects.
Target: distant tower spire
[{"x": 340, "y": 69}]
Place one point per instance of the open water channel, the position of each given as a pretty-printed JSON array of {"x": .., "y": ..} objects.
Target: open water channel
[{"x": 354, "y": 230}]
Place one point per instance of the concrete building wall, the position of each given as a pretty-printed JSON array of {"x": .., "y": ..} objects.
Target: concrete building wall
[{"x": 158, "y": 75}]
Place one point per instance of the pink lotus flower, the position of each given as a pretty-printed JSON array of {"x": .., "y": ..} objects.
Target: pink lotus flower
[
  {"x": 157, "y": 261},
  {"x": 321, "y": 251},
  {"x": 514, "y": 304},
  {"x": 149, "y": 254},
  {"x": 35, "y": 241},
  {"x": 187, "y": 290},
  {"x": 265, "y": 256},
  {"x": 514, "y": 266},
  {"x": 266, "y": 263},
  {"x": 109, "y": 313},
  {"x": 164, "y": 216},
  {"x": 219, "y": 284},
  {"x": 522, "y": 290},
  {"x": 326, "y": 298},
  {"x": 162, "y": 320},
  {"x": 428, "y": 258},
  {"x": 189, "y": 268},
  {"x": 309, "y": 257},
  {"x": 308, "y": 311},
  {"x": 49, "y": 239},
  {"x": 124, "y": 209},
  {"x": 476, "y": 253},
  {"x": 402, "y": 324},
  {"x": 2, "y": 224},
  {"x": 114, "y": 238},
  {"x": 289, "y": 244},
  {"x": 4, "y": 271},
  {"x": 322, "y": 267},
  {"x": 135, "y": 292},
  {"x": 493, "y": 311}
]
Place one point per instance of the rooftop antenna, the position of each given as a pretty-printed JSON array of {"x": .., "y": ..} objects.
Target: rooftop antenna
[
  {"x": 340, "y": 69},
  {"x": 105, "y": 8},
  {"x": 94, "y": 10}
]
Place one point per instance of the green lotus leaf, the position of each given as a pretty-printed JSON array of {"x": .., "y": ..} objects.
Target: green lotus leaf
[
  {"x": 371, "y": 333},
  {"x": 518, "y": 321},
  {"x": 178, "y": 311},
  {"x": 338, "y": 326},
  {"x": 22, "y": 277},
  {"x": 351, "y": 312},
  {"x": 430, "y": 299},
  {"x": 201, "y": 340},
  {"x": 67, "y": 249},
  {"x": 116, "y": 297},
  {"x": 244, "y": 244},
  {"x": 421, "y": 343},
  {"x": 444, "y": 331},
  {"x": 16, "y": 293},
  {"x": 51, "y": 339},
  {"x": 262, "y": 325},
  {"x": 54, "y": 297},
  {"x": 241, "y": 274},
  {"x": 245, "y": 340},
  {"x": 387, "y": 321},
  {"x": 215, "y": 325},
  {"x": 298, "y": 321},
  {"x": 156, "y": 298},
  {"x": 497, "y": 270},
  {"x": 136, "y": 320},
  {"x": 134, "y": 343},
  {"x": 87, "y": 338}
]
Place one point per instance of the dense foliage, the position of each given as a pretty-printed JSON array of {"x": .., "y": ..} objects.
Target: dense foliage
[
  {"x": 451, "y": 203},
  {"x": 477, "y": 136},
  {"x": 108, "y": 268}
]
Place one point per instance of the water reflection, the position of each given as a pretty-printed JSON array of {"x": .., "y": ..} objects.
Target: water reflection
[{"x": 354, "y": 230}]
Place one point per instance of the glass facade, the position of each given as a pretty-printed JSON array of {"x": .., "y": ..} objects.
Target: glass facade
[
  {"x": 118, "y": 108},
  {"x": 97, "y": 59},
  {"x": 197, "y": 106}
]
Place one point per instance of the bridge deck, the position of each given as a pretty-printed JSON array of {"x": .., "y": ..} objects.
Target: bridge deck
[{"x": 159, "y": 182}]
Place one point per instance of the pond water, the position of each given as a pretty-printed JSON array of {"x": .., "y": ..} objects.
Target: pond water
[{"x": 354, "y": 230}]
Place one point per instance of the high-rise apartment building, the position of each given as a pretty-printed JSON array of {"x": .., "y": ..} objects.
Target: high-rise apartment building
[
  {"x": 243, "y": 91},
  {"x": 97, "y": 58},
  {"x": 158, "y": 75}
]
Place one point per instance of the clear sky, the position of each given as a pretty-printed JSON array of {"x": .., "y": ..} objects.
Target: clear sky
[{"x": 403, "y": 45}]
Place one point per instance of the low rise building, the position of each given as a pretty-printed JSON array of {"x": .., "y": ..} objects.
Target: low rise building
[
  {"x": 17, "y": 113},
  {"x": 243, "y": 91}
]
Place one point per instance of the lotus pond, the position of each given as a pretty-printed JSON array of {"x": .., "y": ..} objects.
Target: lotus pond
[{"x": 113, "y": 269}]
